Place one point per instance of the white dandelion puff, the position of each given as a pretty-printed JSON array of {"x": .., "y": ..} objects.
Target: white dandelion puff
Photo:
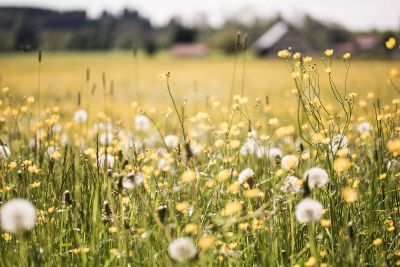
[
  {"x": 182, "y": 249},
  {"x": 274, "y": 152},
  {"x": 51, "y": 150},
  {"x": 171, "y": 140},
  {"x": 191, "y": 211},
  {"x": 106, "y": 161},
  {"x": 151, "y": 140},
  {"x": 144, "y": 235},
  {"x": 309, "y": 210},
  {"x": 261, "y": 151},
  {"x": 56, "y": 128},
  {"x": 64, "y": 139},
  {"x": 81, "y": 116},
  {"x": 249, "y": 147},
  {"x": 316, "y": 177},
  {"x": 4, "y": 152},
  {"x": 17, "y": 215},
  {"x": 162, "y": 163},
  {"x": 364, "y": 127},
  {"x": 245, "y": 175},
  {"x": 106, "y": 138},
  {"x": 135, "y": 144},
  {"x": 108, "y": 126},
  {"x": 292, "y": 185},
  {"x": 132, "y": 180},
  {"x": 196, "y": 148},
  {"x": 142, "y": 123}
]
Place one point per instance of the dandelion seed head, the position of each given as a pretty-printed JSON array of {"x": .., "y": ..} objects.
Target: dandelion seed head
[
  {"x": 142, "y": 123},
  {"x": 316, "y": 177},
  {"x": 4, "y": 152},
  {"x": 182, "y": 249},
  {"x": 245, "y": 175},
  {"x": 273, "y": 153},
  {"x": 309, "y": 210},
  {"x": 106, "y": 138},
  {"x": 106, "y": 161},
  {"x": 291, "y": 185},
  {"x": 249, "y": 147},
  {"x": 17, "y": 215},
  {"x": 364, "y": 127},
  {"x": 80, "y": 116},
  {"x": 132, "y": 180},
  {"x": 171, "y": 141}
]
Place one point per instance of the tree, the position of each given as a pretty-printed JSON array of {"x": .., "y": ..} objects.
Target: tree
[
  {"x": 25, "y": 37},
  {"x": 184, "y": 34}
]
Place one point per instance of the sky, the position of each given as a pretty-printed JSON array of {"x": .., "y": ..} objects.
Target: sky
[{"x": 354, "y": 14}]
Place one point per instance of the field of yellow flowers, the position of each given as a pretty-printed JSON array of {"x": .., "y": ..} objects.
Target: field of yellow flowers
[{"x": 121, "y": 160}]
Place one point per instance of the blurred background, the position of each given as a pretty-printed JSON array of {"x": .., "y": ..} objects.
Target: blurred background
[
  {"x": 200, "y": 28},
  {"x": 127, "y": 45}
]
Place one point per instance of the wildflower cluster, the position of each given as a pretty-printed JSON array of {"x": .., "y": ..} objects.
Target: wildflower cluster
[{"x": 221, "y": 185}]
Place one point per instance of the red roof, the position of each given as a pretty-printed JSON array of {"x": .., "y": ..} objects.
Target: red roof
[{"x": 189, "y": 50}]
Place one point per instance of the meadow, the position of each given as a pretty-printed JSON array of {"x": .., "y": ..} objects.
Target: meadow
[
  {"x": 63, "y": 76},
  {"x": 110, "y": 159}
]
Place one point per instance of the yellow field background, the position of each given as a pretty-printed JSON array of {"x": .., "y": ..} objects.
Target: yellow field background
[{"x": 64, "y": 74}]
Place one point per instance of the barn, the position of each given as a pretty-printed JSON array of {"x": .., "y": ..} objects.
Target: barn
[{"x": 281, "y": 35}]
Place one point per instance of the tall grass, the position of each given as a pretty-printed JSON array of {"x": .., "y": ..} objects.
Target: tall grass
[{"x": 113, "y": 192}]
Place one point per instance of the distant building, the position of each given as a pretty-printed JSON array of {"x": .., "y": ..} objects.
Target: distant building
[
  {"x": 344, "y": 47},
  {"x": 367, "y": 42},
  {"x": 189, "y": 50},
  {"x": 362, "y": 44},
  {"x": 281, "y": 36}
]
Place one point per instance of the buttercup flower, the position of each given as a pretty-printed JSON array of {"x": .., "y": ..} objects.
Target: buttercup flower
[
  {"x": 289, "y": 162},
  {"x": 328, "y": 52}
]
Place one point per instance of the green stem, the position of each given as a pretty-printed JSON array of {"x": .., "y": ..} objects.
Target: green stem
[
  {"x": 312, "y": 243},
  {"x": 292, "y": 240}
]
